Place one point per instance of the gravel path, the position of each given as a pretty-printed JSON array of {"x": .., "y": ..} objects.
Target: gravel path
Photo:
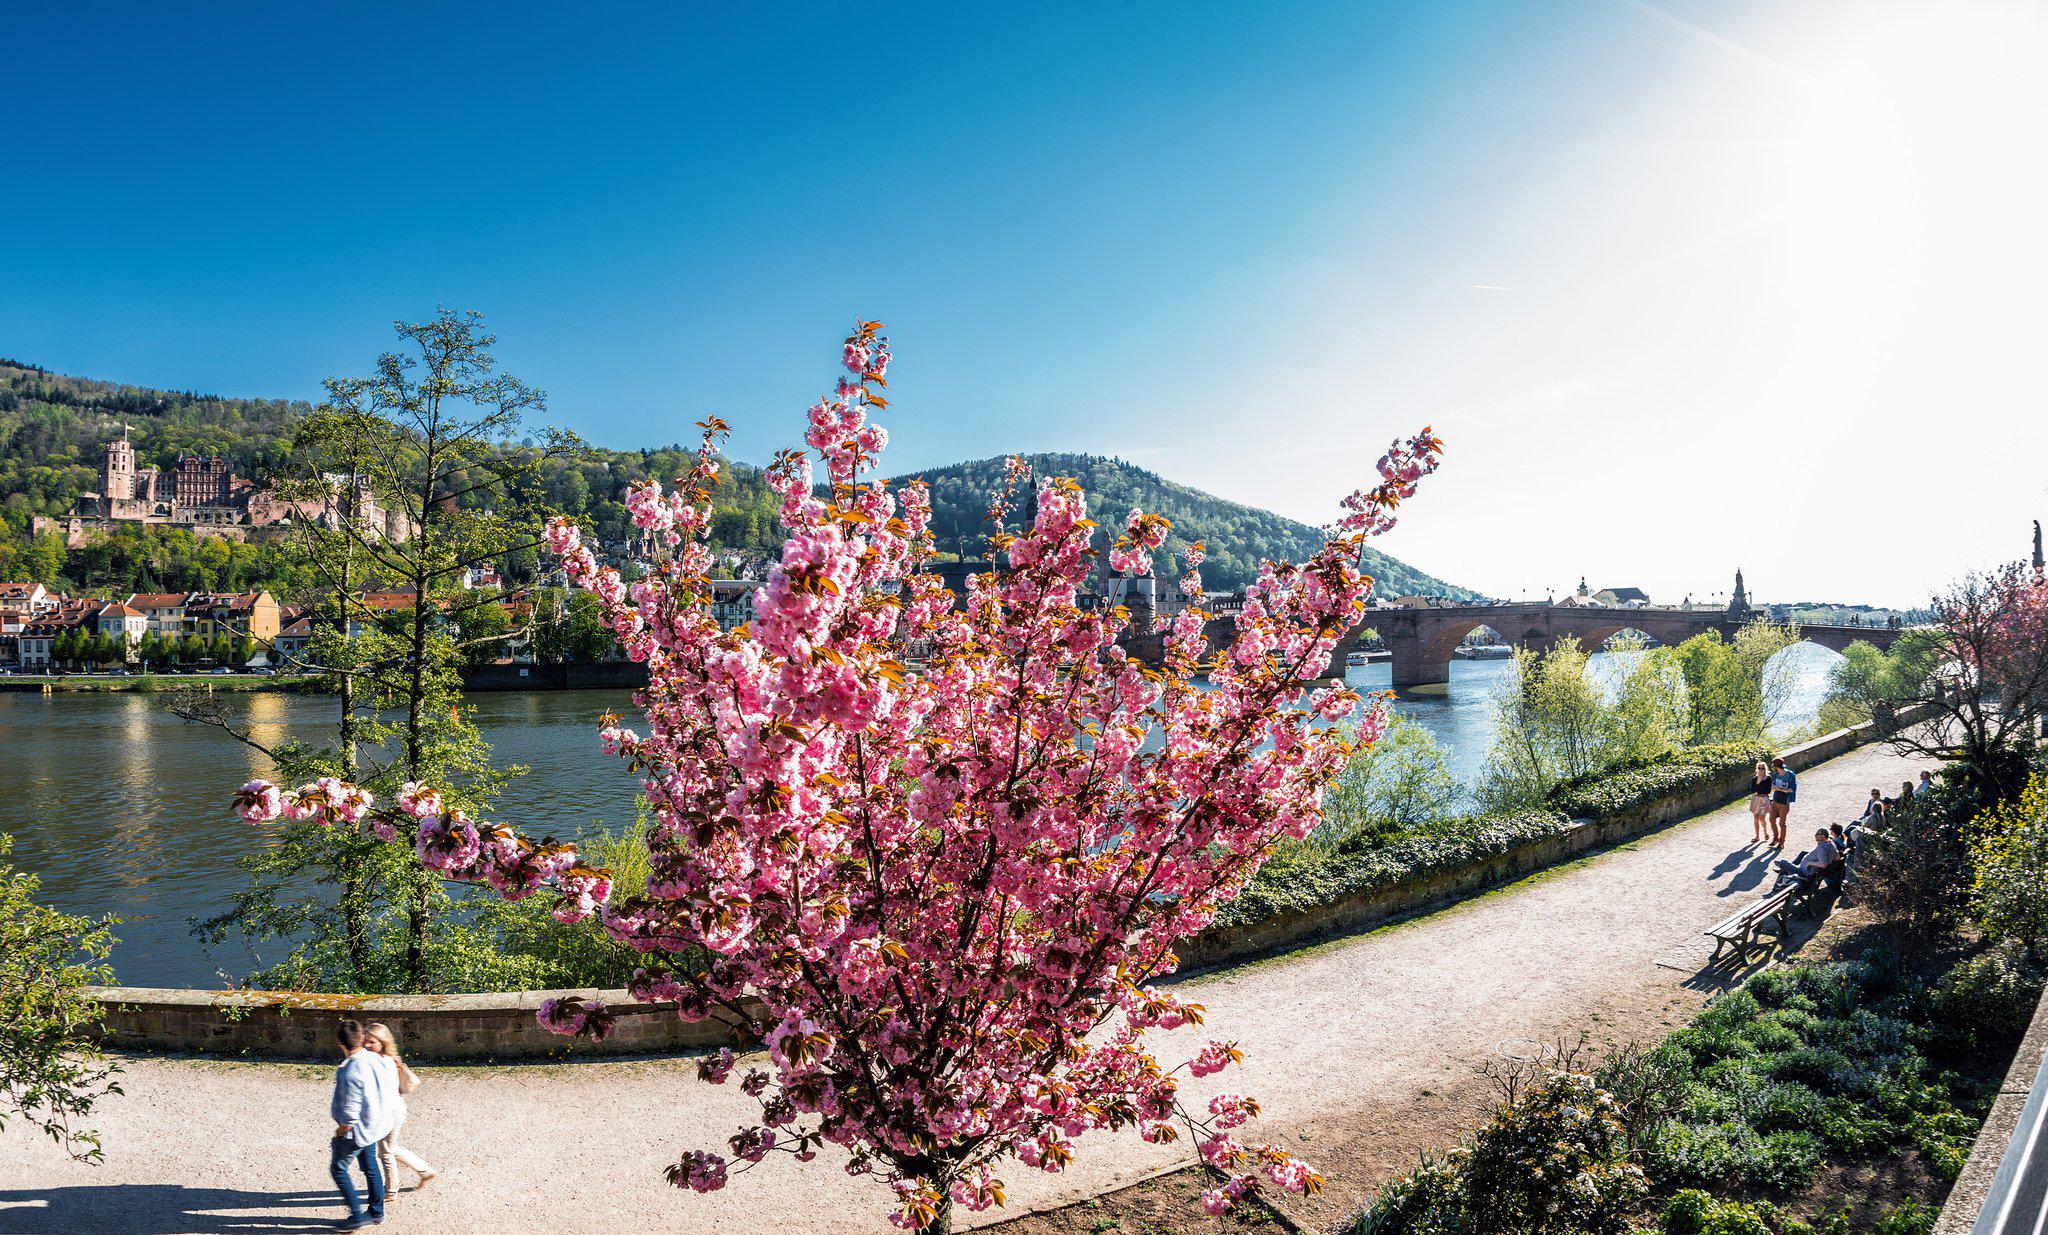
[{"x": 1359, "y": 1049}]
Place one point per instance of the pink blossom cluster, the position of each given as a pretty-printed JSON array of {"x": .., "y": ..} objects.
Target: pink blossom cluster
[
  {"x": 446, "y": 840},
  {"x": 941, "y": 894}
]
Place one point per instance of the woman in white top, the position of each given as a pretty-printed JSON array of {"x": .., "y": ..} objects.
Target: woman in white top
[{"x": 378, "y": 1037}]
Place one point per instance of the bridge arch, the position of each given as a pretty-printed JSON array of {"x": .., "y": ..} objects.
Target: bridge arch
[{"x": 1439, "y": 647}]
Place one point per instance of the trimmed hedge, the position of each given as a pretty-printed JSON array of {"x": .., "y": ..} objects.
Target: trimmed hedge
[
  {"x": 1303, "y": 877},
  {"x": 1625, "y": 791}
]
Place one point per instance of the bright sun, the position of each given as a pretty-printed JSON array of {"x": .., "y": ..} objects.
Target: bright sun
[{"x": 1918, "y": 204}]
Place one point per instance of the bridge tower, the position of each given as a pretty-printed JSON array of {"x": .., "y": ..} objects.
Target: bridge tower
[{"x": 1738, "y": 604}]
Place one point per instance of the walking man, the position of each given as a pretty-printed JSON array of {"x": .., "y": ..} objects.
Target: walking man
[
  {"x": 1784, "y": 792},
  {"x": 363, "y": 1106}
]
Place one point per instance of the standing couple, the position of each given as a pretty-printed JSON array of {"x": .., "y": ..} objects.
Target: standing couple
[
  {"x": 368, "y": 1109},
  {"x": 1771, "y": 793}
]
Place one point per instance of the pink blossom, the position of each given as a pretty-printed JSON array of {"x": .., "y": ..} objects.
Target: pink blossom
[
  {"x": 259, "y": 801},
  {"x": 934, "y": 852}
]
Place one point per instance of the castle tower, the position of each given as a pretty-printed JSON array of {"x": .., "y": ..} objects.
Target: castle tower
[{"x": 117, "y": 473}]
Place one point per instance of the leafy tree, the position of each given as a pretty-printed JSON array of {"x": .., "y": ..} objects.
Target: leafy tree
[
  {"x": 484, "y": 630},
  {"x": 2009, "y": 849},
  {"x": 51, "y": 1073},
  {"x": 1551, "y": 724},
  {"x": 570, "y": 628},
  {"x": 434, "y": 433},
  {"x": 1916, "y": 872},
  {"x": 1648, "y": 706},
  {"x": 1981, "y": 670},
  {"x": 1396, "y": 784},
  {"x": 244, "y": 650}
]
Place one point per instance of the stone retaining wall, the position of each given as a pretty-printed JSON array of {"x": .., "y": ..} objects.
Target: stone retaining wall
[
  {"x": 1966, "y": 1200},
  {"x": 275, "y": 1024},
  {"x": 1291, "y": 930}
]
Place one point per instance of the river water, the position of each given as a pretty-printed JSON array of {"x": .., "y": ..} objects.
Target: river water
[{"x": 122, "y": 808}]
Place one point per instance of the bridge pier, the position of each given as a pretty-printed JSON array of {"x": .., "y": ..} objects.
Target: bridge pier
[{"x": 1416, "y": 671}]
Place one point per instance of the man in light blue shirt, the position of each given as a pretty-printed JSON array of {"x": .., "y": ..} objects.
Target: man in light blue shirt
[{"x": 364, "y": 1107}]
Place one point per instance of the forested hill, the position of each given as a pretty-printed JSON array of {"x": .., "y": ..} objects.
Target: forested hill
[
  {"x": 54, "y": 430},
  {"x": 1236, "y": 537},
  {"x": 53, "y": 435}
]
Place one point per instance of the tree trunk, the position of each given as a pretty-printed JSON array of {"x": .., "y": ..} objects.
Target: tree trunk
[{"x": 942, "y": 1221}]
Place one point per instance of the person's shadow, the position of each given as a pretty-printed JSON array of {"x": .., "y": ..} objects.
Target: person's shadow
[
  {"x": 1747, "y": 876},
  {"x": 161, "y": 1209}
]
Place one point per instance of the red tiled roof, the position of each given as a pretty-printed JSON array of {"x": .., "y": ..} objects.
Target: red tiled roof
[
  {"x": 388, "y": 600},
  {"x": 117, "y": 609},
  {"x": 158, "y": 600}
]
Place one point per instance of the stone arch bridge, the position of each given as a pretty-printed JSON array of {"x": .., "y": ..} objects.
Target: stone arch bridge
[{"x": 1422, "y": 640}]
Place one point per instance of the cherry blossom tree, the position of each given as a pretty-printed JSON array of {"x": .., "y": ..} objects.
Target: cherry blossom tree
[{"x": 940, "y": 896}]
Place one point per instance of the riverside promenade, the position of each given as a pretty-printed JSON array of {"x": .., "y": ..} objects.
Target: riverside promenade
[{"x": 1362, "y": 1050}]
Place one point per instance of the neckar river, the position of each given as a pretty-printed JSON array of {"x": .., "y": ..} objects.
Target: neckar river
[{"x": 122, "y": 808}]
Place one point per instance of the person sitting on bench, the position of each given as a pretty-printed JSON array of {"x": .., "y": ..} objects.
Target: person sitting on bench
[{"x": 1823, "y": 861}]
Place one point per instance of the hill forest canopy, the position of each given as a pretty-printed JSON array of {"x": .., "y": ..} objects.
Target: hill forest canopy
[{"x": 54, "y": 429}]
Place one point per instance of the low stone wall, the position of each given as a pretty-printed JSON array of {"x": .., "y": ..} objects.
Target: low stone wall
[
  {"x": 275, "y": 1024},
  {"x": 1291, "y": 930},
  {"x": 279, "y": 1025},
  {"x": 602, "y": 675},
  {"x": 1966, "y": 1200}
]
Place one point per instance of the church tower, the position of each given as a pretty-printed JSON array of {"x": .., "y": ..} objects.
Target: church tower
[{"x": 117, "y": 474}]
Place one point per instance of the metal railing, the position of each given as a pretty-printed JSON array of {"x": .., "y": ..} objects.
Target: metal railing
[{"x": 2017, "y": 1201}]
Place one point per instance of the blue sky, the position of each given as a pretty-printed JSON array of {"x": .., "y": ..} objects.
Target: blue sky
[{"x": 1244, "y": 245}]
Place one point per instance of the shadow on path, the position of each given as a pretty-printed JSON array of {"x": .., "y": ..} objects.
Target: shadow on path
[
  {"x": 1735, "y": 968},
  {"x": 1751, "y": 876},
  {"x": 161, "y": 1209}
]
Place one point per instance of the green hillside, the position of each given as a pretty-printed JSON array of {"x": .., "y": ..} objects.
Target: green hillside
[
  {"x": 53, "y": 431},
  {"x": 1237, "y": 537}
]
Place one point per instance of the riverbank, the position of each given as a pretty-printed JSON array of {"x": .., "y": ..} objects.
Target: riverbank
[
  {"x": 1401, "y": 1017},
  {"x": 494, "y": 679},
  {"x": 152, "y": 683}
]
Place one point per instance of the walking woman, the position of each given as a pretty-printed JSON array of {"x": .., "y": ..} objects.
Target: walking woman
[
  {"x": 1760, "y": 801},
  {"x": 385, "y": 1043}
]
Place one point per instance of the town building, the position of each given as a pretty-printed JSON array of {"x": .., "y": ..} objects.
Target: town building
[
  {"x": 174, "y": 615},
  {"x": 1623, "y": 597},
  {"x": 27, "y": 598}
]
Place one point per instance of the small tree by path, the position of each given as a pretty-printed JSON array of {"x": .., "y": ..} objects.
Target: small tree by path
[
  {"x": 1981, "y": 671},
  {"x": 51, "y": 1074},
  {"x": 940, "y": 897}
]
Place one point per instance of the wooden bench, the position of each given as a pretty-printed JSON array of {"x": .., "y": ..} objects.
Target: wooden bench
[{"x": 1739, "y": 929}]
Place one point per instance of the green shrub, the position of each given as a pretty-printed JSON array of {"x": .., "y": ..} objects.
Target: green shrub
[
  {"x": 1555, "y": 1161},
  {"x": 1303, "y": 876},
  {"x": 1911, "y": 1218},
  {"x": 1693, "y": 1212},
  {"x": 1628, "y": 790},
  {"x": 2009, "y": 848},
  {"x": 1985, "y": 1000}
]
